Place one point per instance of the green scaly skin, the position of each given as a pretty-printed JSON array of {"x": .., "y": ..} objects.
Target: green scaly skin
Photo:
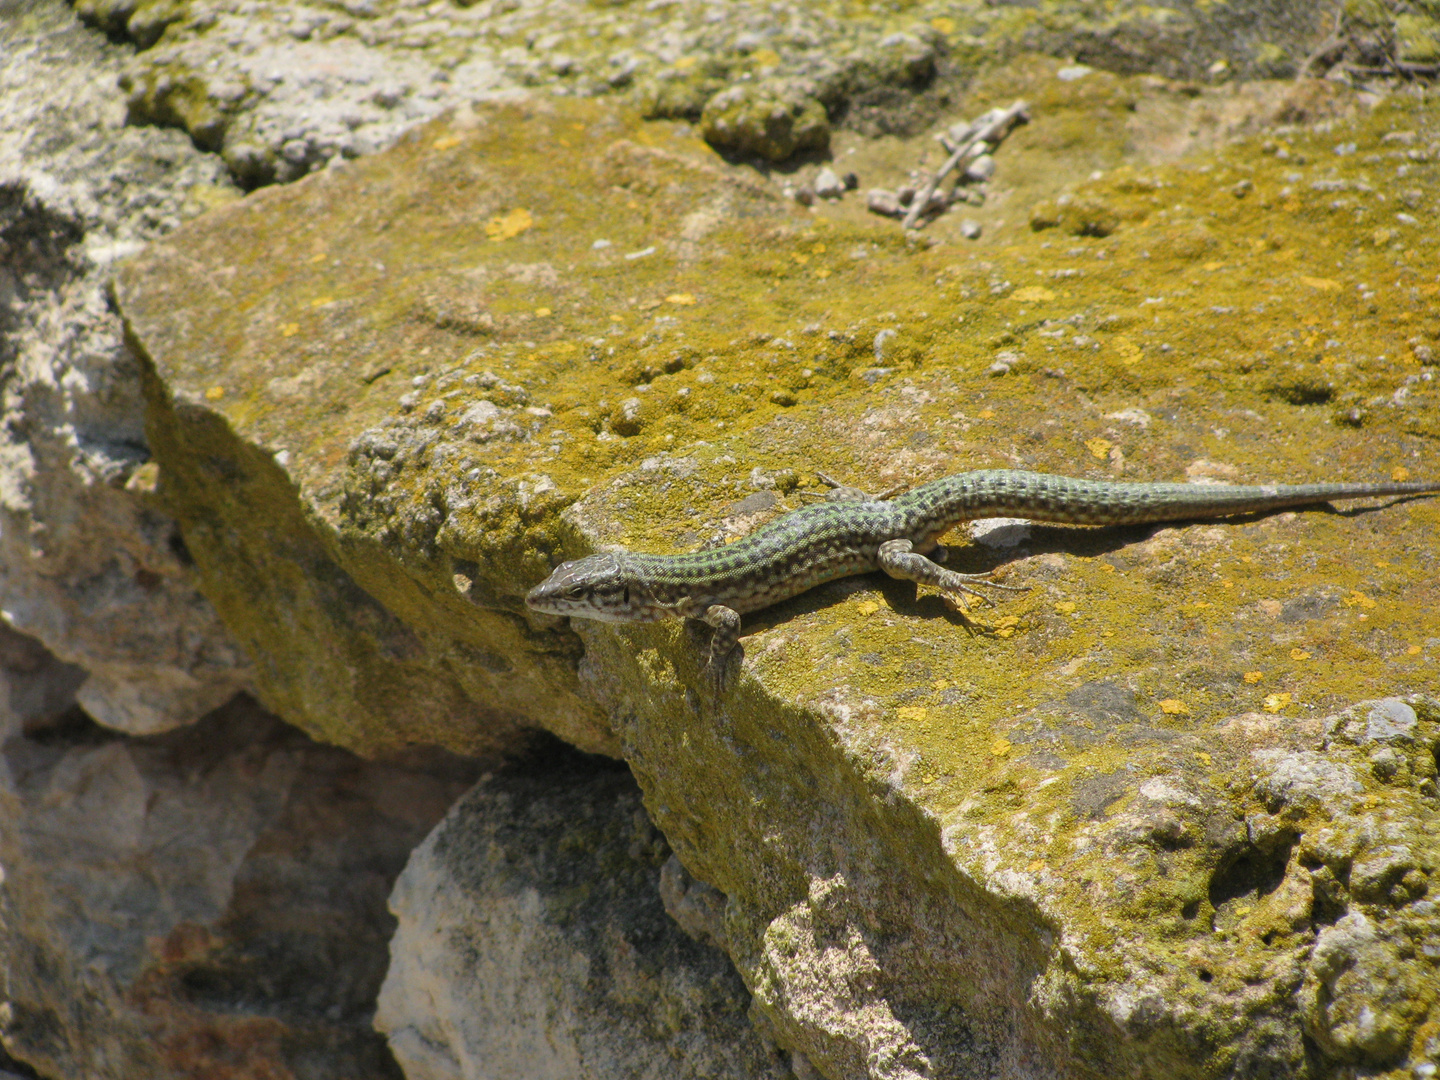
[{"x": 855, "y": 534}]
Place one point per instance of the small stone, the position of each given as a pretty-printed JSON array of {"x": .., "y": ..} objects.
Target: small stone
[
  {"x": 999, "y": 367},
  {"x": 1390, "y": 719},
  {"x": 783, "y": 398},
  {"x": 906, "y": 195},
  {"x": 851, "y": 181},
  {"x": 970, "y": 229},
  {"x": 981, "y": 169},
  {"x": 1424, "y": 354},
  {"x": 628, "y": 417},
  {"x": 1243, "y": 188},
  {"x": 828, "y": 185},
  {"x": 879, "y": 201},
  {"x": 804, "y": 195}
]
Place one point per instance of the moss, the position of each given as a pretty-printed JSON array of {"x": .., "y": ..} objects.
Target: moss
[
  {"x": 1418, "y": 38},
  {"x": 176, "y": 97},
  {"x": 771, "y": 122}
]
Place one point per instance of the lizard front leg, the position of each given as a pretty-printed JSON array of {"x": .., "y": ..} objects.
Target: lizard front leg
[
  {"x": 899, "y": 559},
  {"x": 726, "y": 622}
]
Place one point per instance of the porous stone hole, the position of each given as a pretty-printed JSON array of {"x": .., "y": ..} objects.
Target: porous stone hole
[
  {"x": 179, "y": 550},
  {"x": 1203, "y": 975},
  {"x": 1250, "y": 873},
  {"x": 70, "y": 728}
]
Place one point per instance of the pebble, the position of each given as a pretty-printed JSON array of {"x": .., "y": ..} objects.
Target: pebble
[
  {"x": 970, "y": 229},
  {"x": 828, "y": 185},
  {"x": 981, "y": 169},
  {"x": 880, "y": 201},
  {"x": 1005, "y": 359}
]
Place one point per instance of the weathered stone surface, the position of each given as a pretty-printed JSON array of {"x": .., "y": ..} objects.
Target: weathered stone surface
[
  {"x": 208, "y": 902},
  {"x": 281, "y": 89},
  {"x": 1074, "y": 841},
  {"x": 85, "y": 564},
  {"x": 36, "y": 689},
  {"x": 765, "y": 121},
  {"x": 533, "y": 942},
  {"x": 351, "y": 644}
]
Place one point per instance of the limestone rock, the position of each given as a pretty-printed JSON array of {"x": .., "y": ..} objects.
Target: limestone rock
[
  {"x": 85, "y": 564},
  {"x": 299, "y": 472},
  {"x": 533, "y": 942},
  {"x": 1100, "y": 831},
  {"x": 36, "y": 689},
  {"x": 206, "y": 902}
]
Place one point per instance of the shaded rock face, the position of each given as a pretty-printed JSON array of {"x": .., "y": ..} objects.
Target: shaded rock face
[
  {"x": 532, "y": 941},
  {"x": 209, "y": 902},
  {"x": 85, "y": 565}
]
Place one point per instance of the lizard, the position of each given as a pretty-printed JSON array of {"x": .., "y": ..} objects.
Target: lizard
[{"x": 855, "y": 533}]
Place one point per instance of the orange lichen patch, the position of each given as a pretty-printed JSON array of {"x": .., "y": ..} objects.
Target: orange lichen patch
[{"x": 509, "y": 225}]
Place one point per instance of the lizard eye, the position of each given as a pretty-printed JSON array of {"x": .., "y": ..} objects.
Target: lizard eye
[{"x": 575, "y": 592}]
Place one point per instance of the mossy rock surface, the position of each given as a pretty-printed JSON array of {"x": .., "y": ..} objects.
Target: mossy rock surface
[{"x": 1130, "y": 822}]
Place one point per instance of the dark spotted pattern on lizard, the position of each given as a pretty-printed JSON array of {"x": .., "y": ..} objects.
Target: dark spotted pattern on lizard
[{"x": 855, "y": 534}]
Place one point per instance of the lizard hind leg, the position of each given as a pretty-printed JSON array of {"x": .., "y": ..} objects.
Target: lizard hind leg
[{"x": 898, "y": 559}]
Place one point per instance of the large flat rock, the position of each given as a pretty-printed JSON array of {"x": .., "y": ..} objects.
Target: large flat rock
[{"x": 1122, "y": 825}]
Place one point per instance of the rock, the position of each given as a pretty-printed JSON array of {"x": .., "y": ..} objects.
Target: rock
[
  {"x": 533, "y": 941},
  {"x": 351, "y": 649},
  {"x": 828, "y": 185},
  {"x": 879, "y": 201},
  {"x": 88, "y": 564},
  {"x": 205, "y": 902},
  {"x": 1078, "y": 216},
  {"x": 36, "y": 689},
  {"x": 970, "y": 229},
  {"x": 772, "y": 121},
  {"x": 1115, "y": 811},
  {"x": 980, "y": 169}
]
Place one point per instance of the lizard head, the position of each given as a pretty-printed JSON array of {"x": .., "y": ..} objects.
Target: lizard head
[{"x": 595, "y": 587}]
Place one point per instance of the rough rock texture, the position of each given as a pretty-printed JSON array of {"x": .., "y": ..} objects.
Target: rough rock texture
[
  {"x": 208, "y": 902},
  {"x": 85, "y": 565},
  {"x": 533, "y": 942},
  {"x": 281, "y": 89},
  {"x": 1107, "y": 830},
  {"x": 1074, "y": 840}
]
